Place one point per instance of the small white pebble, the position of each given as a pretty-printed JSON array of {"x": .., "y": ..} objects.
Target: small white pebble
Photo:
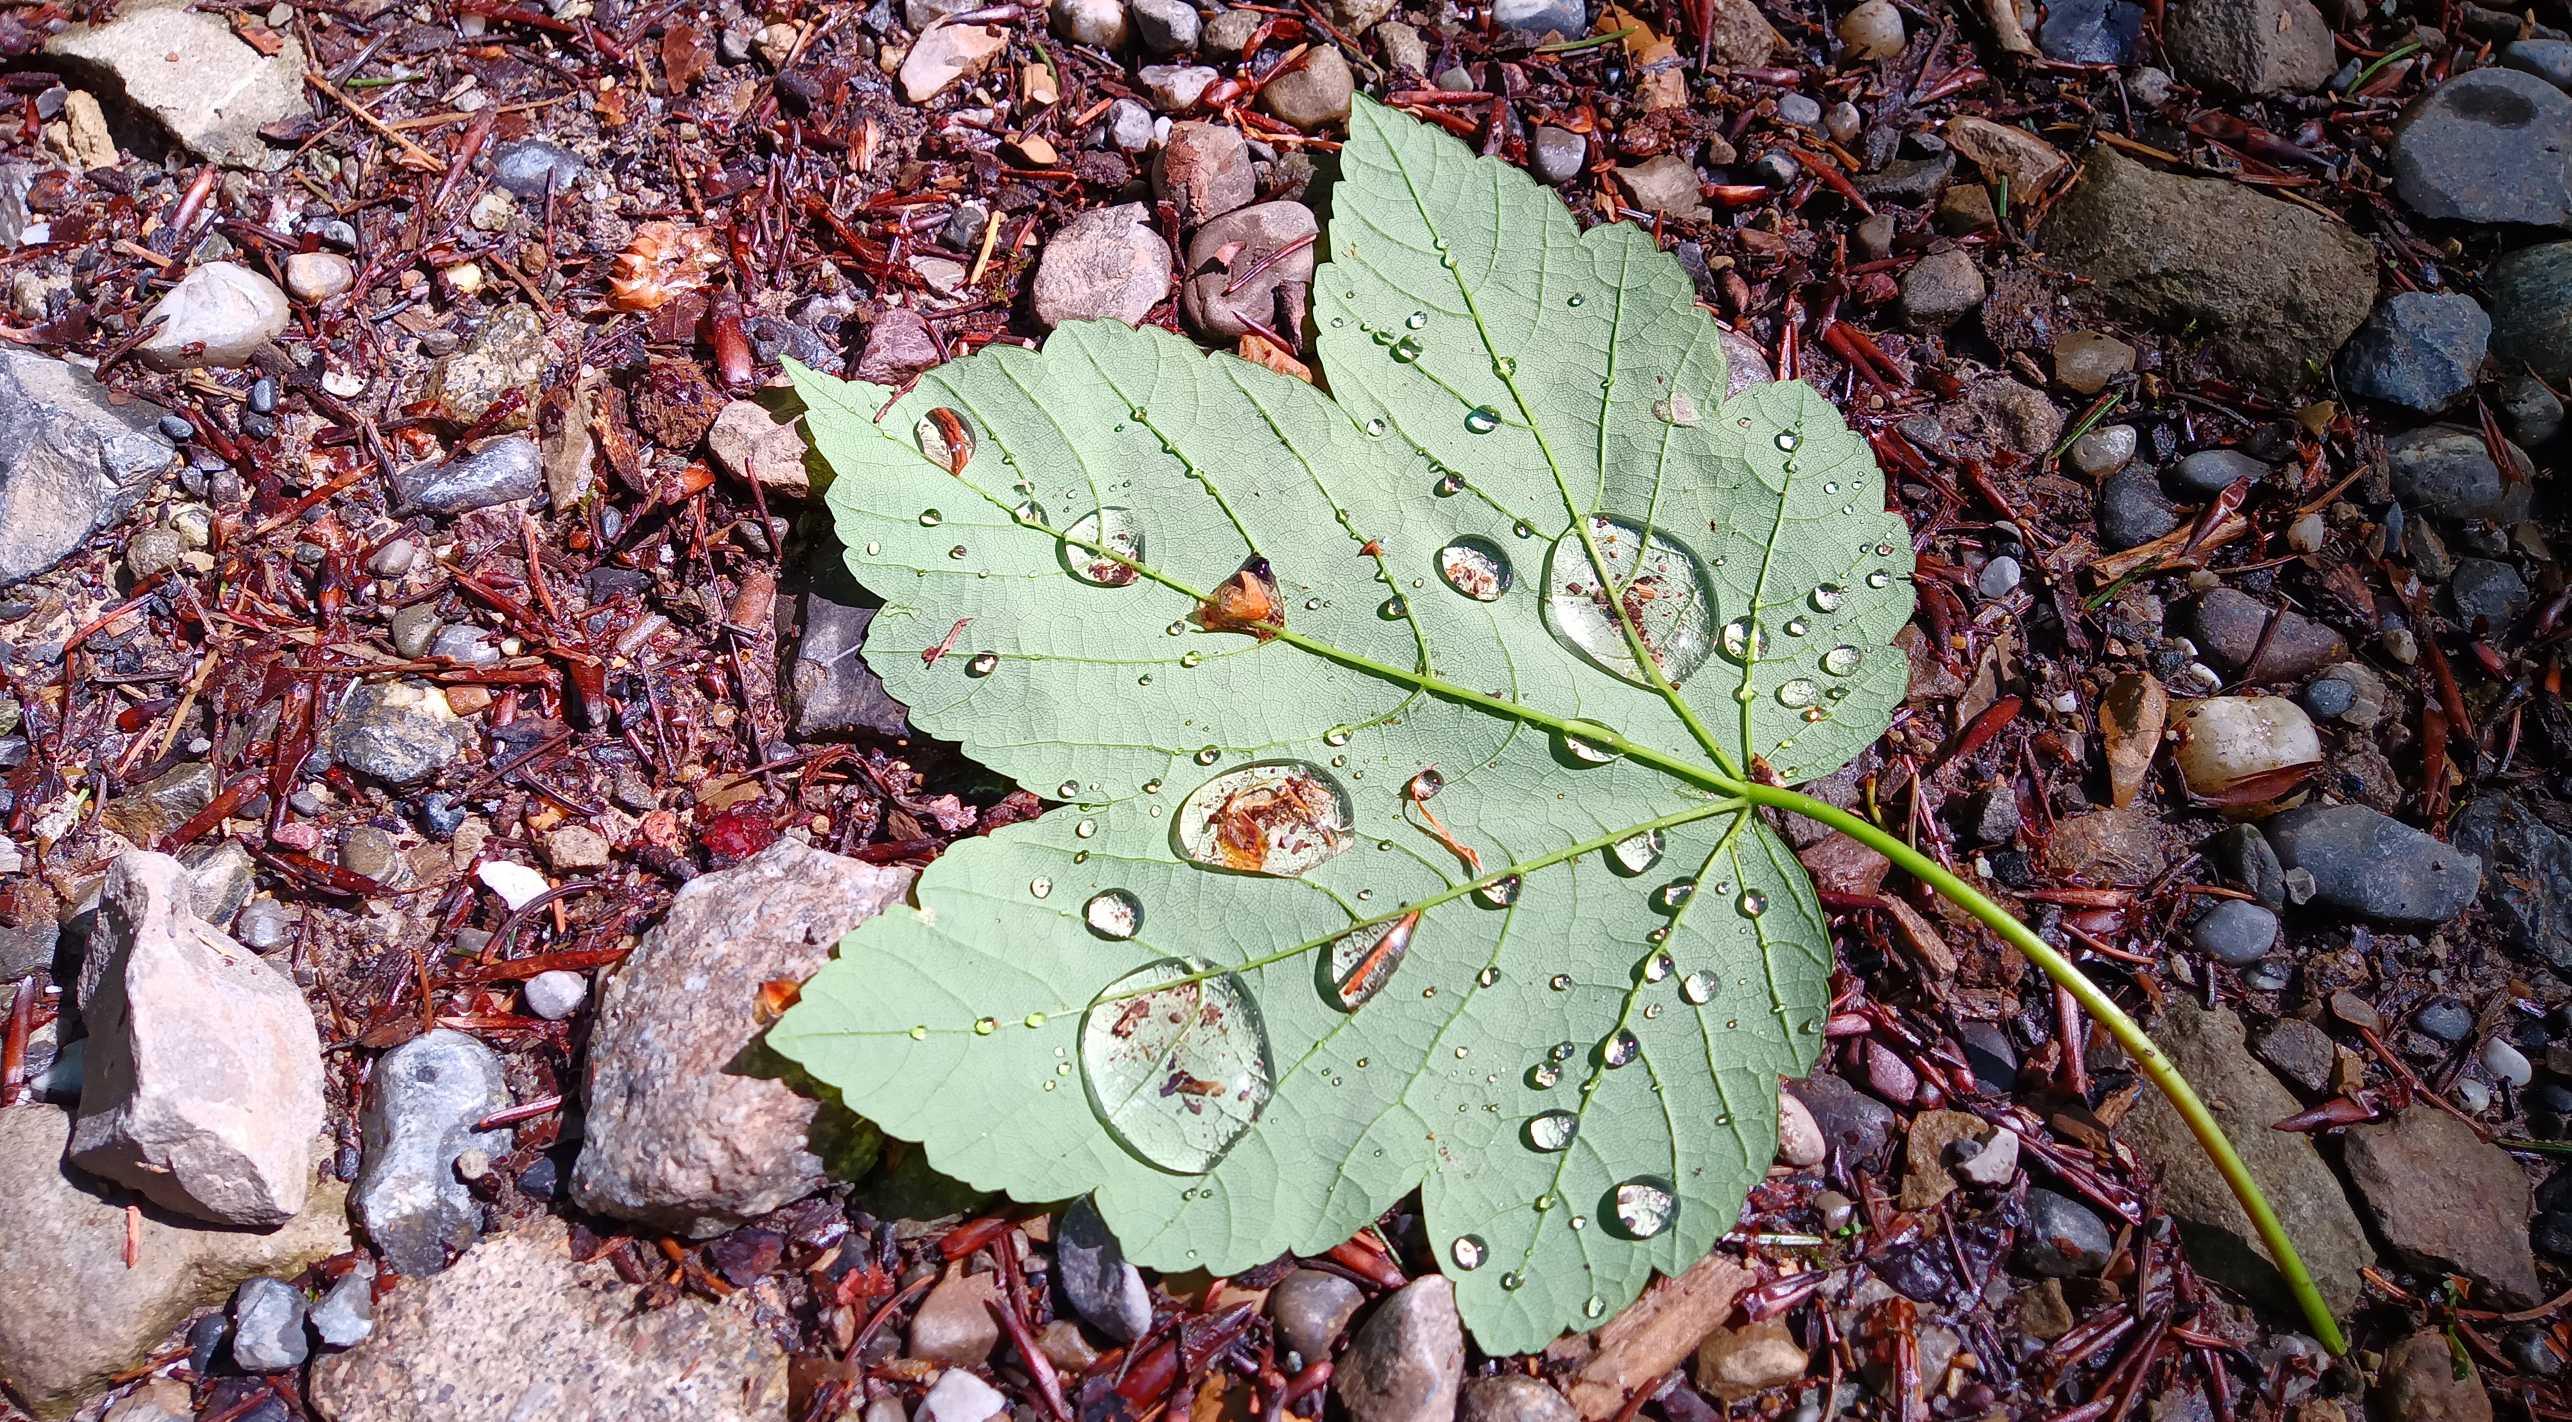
[
  {"x": 2000, "y": 577},
  {"x": 2307, "y": 534},
  {"x": 2067, "y": 702},
  {"x": 959, "y": 1396},
  {"x": 516, "y": 884},
  {"x": 557, "y": 994},
  {"x": 1799, "y": 1136},
  {"x": 2507, "y": 1063}
]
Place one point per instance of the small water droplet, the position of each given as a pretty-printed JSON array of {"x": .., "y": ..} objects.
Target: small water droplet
[
  {"x": 1033, "y": 1019},
  {"x": 1787, "y": 440},
  {"x": 1393, "y": 609},
  {"x": 982, "y": 664},
  {"x": 1448, "y": 486},
  {"x": 1499, "y": 893},
  {"x": 1468, "y": 1251},
  {"x": 1585, "y": 751},
  {"x": 1560, "y": 982},
  {"x": 1671, "y": 897},
  {"x": 1416, "y": 320},
  {"x": 1842, "y": 659},
  {"x": 1192, "y": 659},
  {"x": 1658, "y": 967},
  {"x": 1552, "y": 1130},
  {"x": 1208, "y": 755},
  {"x": 945, "y": 438},
  {"x": 1651, "y": 1012},
  {"x": 1545, "y": 1076},
  {"x": 1113, "y": 914},
  {"x": 985, "y": 1026},
  {"x": 873, "y": 548},
  {"x": 1176, "y": 1063},
  {"x": 1273, "y": 817},
  {"x": 1336, "y": 736},
  {"x": 1744, "y": 641},
  {"x": 1040, "y": 886},
  {"x": 1375, "y": 428},
  {"x": 1405, "y": 350},
  {"x": 1481, "y": 419},
  {"x": 931, "y": 518},
  {"x": 1752, "y": 903},
  {"x": 1797, "y": 627},
  {"x": 1067, "y": 790},
  {"x": 920, "y": 1032},
  {"x": 1365, "y": 958},
  {"x": 1797, "y": 692},
  {"x": 1698, "y": 989},
  {"x": 1620, "y": 1049},
  {"x": 1487, "y": 977},
  {"x": 1575, "y": 300},
  {"x": 1637, "y": 852},
  {"x": 1879, "y": 579},
  {"x": 1477, "y": 567},
  {"x": 1595, "y": 1308},
  {"x": 1828, "y": 597}
]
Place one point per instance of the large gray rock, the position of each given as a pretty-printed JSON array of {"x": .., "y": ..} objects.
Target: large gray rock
[
  {"x": 69, "y": 460},
  {"x": 516, "y": 1330},
  {"x": 690, "y": 1126},
  {"x": 1408, "y": 1359},
  {"x": 2447, "y": 471},
  {"x": 2250, "y": 47},
  {"x": 2420, "y": 349},
  {"x": 2530, "y": 292},
  {"x": 202, "y": 1084},
  {"x": 2208, "y": 1049},
  {"x": 1107, "y": 264},
  {"x": 421, "y": 1108},
  {"x": 187, "y": 69},
  {"x": 2489, "y": 145},
  {"x": 2274, "y": 287},
  {"x": 2366, "y": 864},
  {"x": 75, "y": 1314},
  {"x": 2447, "y": 1201},
  {"x": 399, "y": 732}
]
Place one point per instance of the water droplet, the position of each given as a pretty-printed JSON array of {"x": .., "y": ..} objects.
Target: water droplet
[
  {"x": 1560, "y": 982},
  {"x": 873, "y": 548},
  {"x": 1481, "y": 419},
  {"x": 1658, "y": 967},
  {"x": 1653, "y": 578},
  {"x": 1797, "y": 627},
  {"x": 1040, "y": 886},
  {"x": 1671, "y": 897},
  {"x": 1744, "y": 641},
  {"x": 1595, "y": 1308},
  {"x": 1545, "y": 1076},
  {"x": 1828, "y": 597},
  {"x": 1364, "y": 959},
  {"x": 931, "y": 518},
  {"x": 1336, "y": 736},
  {"x": 982, "y": 664},
  {"x": 1574, "y": 300},
  {"x": 1093, "y": 546},
  {"x": 1448, "y": 486},
  {"x": 920, "y": 1032},
  {"x": 1752, "y": 903},
  {"x": 1842, "y": 659},
  {"x": 1499, "y": 893},
  {"x": 1487, "y": 977},
  {"x": 1033, "y": 1019},
  {"x": 1114, "y": 914},
  {"x": 1085, "y": 829},
  {"x": 1208, "y": 755},
  {"x": 945, "y": 438},
  {"x": 1680, "y": 409},
  {"x": 1176, "y": 1063},
  {"x": 1698, "y": 989},
  {"x": 1375, "y": 428},
  {"x": 1416, "y": 320},
  {"x": 1393, "y": 609},
  {"x": 1468, "y": 1251},
  {"x": 1552, "y": 1130},
  {"x": 1652, "y": 1013},
  {"x": 985, "y": 1026},
  {"x": 1787, "y": 440},
  {"x": 1405, "y": 350},
  {"x": 1067, "y": 790},
  {"x": 1584, "y": 751},
  {"x": 1798, "y": 692},
  {"x": 1879, "y": 579},
  {"x": 1477, "y": 567},
  {"x": 1620, "y": 1049},
  {"x": 1637, "y": 852},
  {"x": 1275, "y": 817}
]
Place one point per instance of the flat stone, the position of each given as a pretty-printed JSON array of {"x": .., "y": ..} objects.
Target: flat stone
[
  {"x": 2446, "y": 1201},
  {"x": 957, "y": 1396},
  {"x": 517, "y": 1330},
  {"x": 2112, "y": 845},
  {"x": 2064, "y": 1238},
  {"x": 422, "y": 1105},
  {"x": 2091, "y": 31},
  {"x": 1204, "y": 171},
  {"x": 2531, "y": 872},
  {"x": 2209, "y": 472},
  {"x": 319, "y": 276},
  {"x": 2446, "y": 471},
  {"x": 2086, "y": 361},
  {"x": 1858, "y": 1126},
  {"x": 2234, "y": 932},
  {"x": 533, "y": 169},
  {"x": 71, "y": 460},
  {"x": 2489, "y": 145},
  {"x": 1538, "y": 18},
  {"x": 504, "y": 357},
  {"x": 2481, "y": 588},
  {"x": 2006, "y": 153},
  {"x": 1737, "y": 1364},
  {"x": 202, "y": 1085},
  {"x": 2421, "y": 350},
  {"x": 1091, "y": 1267},
  {"x": 2247, "y": 48},
  {"x": 268, "y": 1326},
  {"x": 948, "y": 55},
  {"x": 220, "y": 314},
  {"x": 1174, "y": 87},
  {"x": 1315, "y": 94},
  {"x": 2365, "y": 864},
  {"x": 2530, "y": 298},
  {"x": 1666, "y": 184},
  {"x": 1217, "y": 304},
  {"x": 2132, "y": 509},
  {"x": 399, "y": 732},
  {"x": 691, "y": 1127},
  {"x": 1093, "y": 22},
  {"x": 1512, "y": 1397},
  {"x": 755, "y": 443},
  {"x": 2299, "y": 1052},
  {"x": 2418, "y": 1383},
  {"x": 1929, "y": 1149},
  {"x": 164, "y": 58},
  {"x": 2247, "y": 1101},
  {"x": 1941, "y": 287},
  {"x": 77, "y": 1314},
  {"x": 2274, "y": 287},
  {"x": 145, "y": 812},
  {"x": 2230, "y": 623},
  {"x": 1408, "y": 1359},
  {"x": 953, "y": 1324},
  {"x": 1556, "y": 155},
  {"x": 1107, "y": 264},
  {"x": 831, "y": 688},
  {"x": 1311, "y": 1309},
  {"x": 345, "y": 1315},
  {"x": 899, "y": 345},
  {"x": 1165, "y": 26},
  {"x": 2227, "y": 740},
  {"x": 2547, "y": 59}
]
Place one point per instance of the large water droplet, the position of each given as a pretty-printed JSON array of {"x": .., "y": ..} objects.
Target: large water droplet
[
  {"x": 1879, "y": 579},
  {"x": 1658, "y": 583},
  {"x": 1828, "y": 597},
  {"x": 1176, "y": 1063},
  {"x": 1658, "y": 968},
  {"x": 945, "y": 438},
  {"x": 1644, "y": 1206},
  {"x": 1637, "y": 852},
  {"x": 1744, "y": 640},
  {"x": 1481, "y": 419},
  {"x": 1477, "y": 567},
  {"x": 1499, "y": 893},
  {"x": 1468, "y": 1251},
  {"x": 1842, "y": 660},
  {"x": 1596, "y": 1308},
  {"x": 1798, "y": 692},
  {"x": 1587, "y": 752},
  {"x": 1698, "y": 989},
  {"x": 1552, "y": 1130},
  {"x": 1276, "y": 817},
  {"x": 1787, "y": 440},
  {"x": 1107, "y": 531},
  {"x": 1363, "y": 960},
  {"x": 982, "y": 664},
  {"x": 1113, "y": 913},
  {"x": 1620, "y": 1049},
  {"x": 1670, "y": 897},
  {"x": 1752, "y": 903},
  {"x": 1406, "y": 350}
]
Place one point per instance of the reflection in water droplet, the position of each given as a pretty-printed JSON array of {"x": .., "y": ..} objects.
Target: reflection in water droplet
[
  {"x": 1425, "y": 785},
  {"x": 1552, "y": 1130},
  {"x": 982, "y": 664},
  {"x": 1653, "y": 578},
  {"x": 1545, "y": 1076},
  {"x": 1673, "y": 895},
  {"x": 1468, "y": 1251},
  {"x": 1487, "y": 977},
  {"x": 1085, "y": 829},
  {"x": 1114, "y": 913},
  {"x": 1658, "y": 967},
  {"x": 1575, "y": 299},
  {"x": 1620, "y": 1049},
  {"x": 1208, "y": 755},
  {"x": 1393, "y": 609},
  {"x": 1336, "y": 736},
  {"x": 1067, "y": 789},
  {"x": 1040, "y": 886},
  {"x": 1797, "y": 627},
  {"x": 1698, "y": 989},
  {"x": 1636, "y": 853},
  {"x": 1448, "y": 486},
  {"x": 1560, "y": 982},
  {"x": 1744, "y": 640},
  {"x": 985, "y": 1026},
  {"x": 1477, "y": 567},
  {"x": 1595, "y": 1308},
  {"x": 1364, "y": 959},
  {"x": 1797, "y": 692},
  {"x": 1481, "y": 419},
  {"x": 1275, "y": 817},
  {"x": 931, "y": 518},
  {"x": 1828, "y": 597},
  {"x": 1176, "y": 1063},
  {"x": 1499, "y": 893},
  {"x": 1416, "y": 320},
  {"x": 1405, "y": 350},
  {"x": 945, "y": 438},
  {"x": 1512, "y": 1281},
  {"x": 1787, "y": 440},
  {"x": 1089, "y": 543},
  {"x": 1585, "y": 751},
  {"x": 1752, "y": 903},
  {"x": 919, "y": 1031},
  {"x": 1879, "y": 579}
]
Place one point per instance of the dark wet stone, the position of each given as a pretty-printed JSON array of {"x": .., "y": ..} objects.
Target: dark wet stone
[
  {"x": 1102, "y": 1287},
  {"x": 1990, "y": 1055},
  {"x": 2243, "y": 856},
  {"x": 833, "y": 690},
  {"x": 2445, "y": 471},
  {"x": 2529, "y": 293},
  {"x": 1311, "y": 1309},
  {"x": 2132, "y": 509},
  {"x": 2547, "y": 59},
  {"x": 2091, "y": 31},
  {"x": 2209, "y": 472},
  {"x": 2481, "y": 588},
  {"x": 2531, "y": 873},
  {"x": 1406, "y": 1362},
  {"x": 2445, "y": 1019},
  {"x": 2487, "y": 146},
  {"x": 2421, "y": 350},
  {"x": 1909, "y": 180},
  {"x": 532, "y": 168},
  {"x": 2234, "y": 932},
  {"x": 2063, "y": 1239},
  {"x": 1858, "y": 1126},
  {"x": 2229, "y": 625},
  {"x": 2365, "y": 864}
]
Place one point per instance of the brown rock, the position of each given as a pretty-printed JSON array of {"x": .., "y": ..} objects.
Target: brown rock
[
  {"x": 1735, "y": 1364},
  {"x": 1407, "y": 1360},
  {"x": 2107, "y": 845},
  {"x": 2419, "y": 1384},
  {"x": 953, "y": 1326},
  {"x": 2043, "y": 1312},
  {"x": 1656, "y": 1334},
  {"x": 753, "y": 443},
  {"x": 2447, "y": 1201},
  {"x": 1204, "y": 171},
  {"x": 2130, "y": 721},
  {"x": 1218, "y": 303},
  {"x": 1925, "y": 1152}
]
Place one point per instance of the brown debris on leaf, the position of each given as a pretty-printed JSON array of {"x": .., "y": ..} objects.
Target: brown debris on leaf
[{"x": 1246, "y": 602}]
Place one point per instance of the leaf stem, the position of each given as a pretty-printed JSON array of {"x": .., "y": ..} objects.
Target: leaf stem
[{"x": 2183, "y": 1098}]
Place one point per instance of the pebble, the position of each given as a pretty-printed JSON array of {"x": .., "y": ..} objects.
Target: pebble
[
  {"x": 1992, "y": 1165},
  {"x": 2365, "y": 864},
  {"x": 1204, "y": 171},
  {"x": 1801, "y": 110},
  {"x": 2530, "y": 1351},
  {"x": 1939, "y": 288},
  {"x": 2104, "y": 450},
  {"x": 1872, "y": 30},
  {"x": 1228, "y": 33},
  {"x": 1666, "y": 184},
  {"x": 898, "y": 345},
  {"x": 496, "y": 472},
  {"x": 1107, "y": 264},
  {"x": 421, "y": 1108},
  {"x": 2230, "y": 624},
  {"x": 2087, "y": 362},
  {"x": 2308, "y": 533},
  {"x": 504, "y": 357},
  {"x": 1165, "y": 26},
  {"x": 2446, "y": 1201},
  {"x": 2347, "y": 691},
  {"x": 367, "y": 850},
  {"x": 268, "y": 1326},
  {"x": 415, "y": 627},
  {"x": 1175, "y": 88},
  {"x": 2528, "y": 410},
  {"x": 1737, "y": 1364},
  {"x": 2132, "y": 509},
  {"x": 2091, "y": 31},
  {"x": 472, "y": 646},
  {"x": 1799, "y": 1138},
  {"x": 533, "y": 169},
  {"x": 2421, "y": 350},
  {"x": 1557, "y": 155},
  {"x": 1218, "y": 305},
  {"x": 2149, "y": 87},
  {"x": 2445, "y": 471},
  {"x": 316, "y": 276},
  {"x": 1101, "y": 23},
  {"x": 953, "y": 1325},
  {"x": 2530, "y": 295},
  {"x": 2063, "y": 1238},
  {"x": 1538, "y": 18},
  {"x": 959, "y": 1396},
  {"x": 950, "y": 54},
  {"x": 556, "y": 993},
  {"x": 2247, "y": 48},
  {"x": 1406, "y": 1361},
  {"x": 2209, "y": 472},
  {"x": 1857, "y": 1125},
  {"x": 346, "y": 1315},
  {"x": 2486, "y": 146},
  {"x": 1513, "y": 1397},
  {"x": 2299, "y": 1052},
  {"x": 1404, "y": 49},
  {"x": 2507, "y": 1063},
  {"x": 2445, "y": 1019},
  {"x": 2235, "y": 932},
  {"x": 1103, "y": 1288},
  {"x": 2482, "y": 589},
  {"x": 1310, "y": 1309},
  {"x": 219, "y": 314},
  {"x": 1843, "y": 122},
  {"x": 2226, "y": 740},
  {"x": 1999, "y": 577},
  {"x": 1313, "y": 95}
]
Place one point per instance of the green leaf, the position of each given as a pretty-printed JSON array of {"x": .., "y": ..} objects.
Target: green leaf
[{"x": 1531, "y": 559}]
